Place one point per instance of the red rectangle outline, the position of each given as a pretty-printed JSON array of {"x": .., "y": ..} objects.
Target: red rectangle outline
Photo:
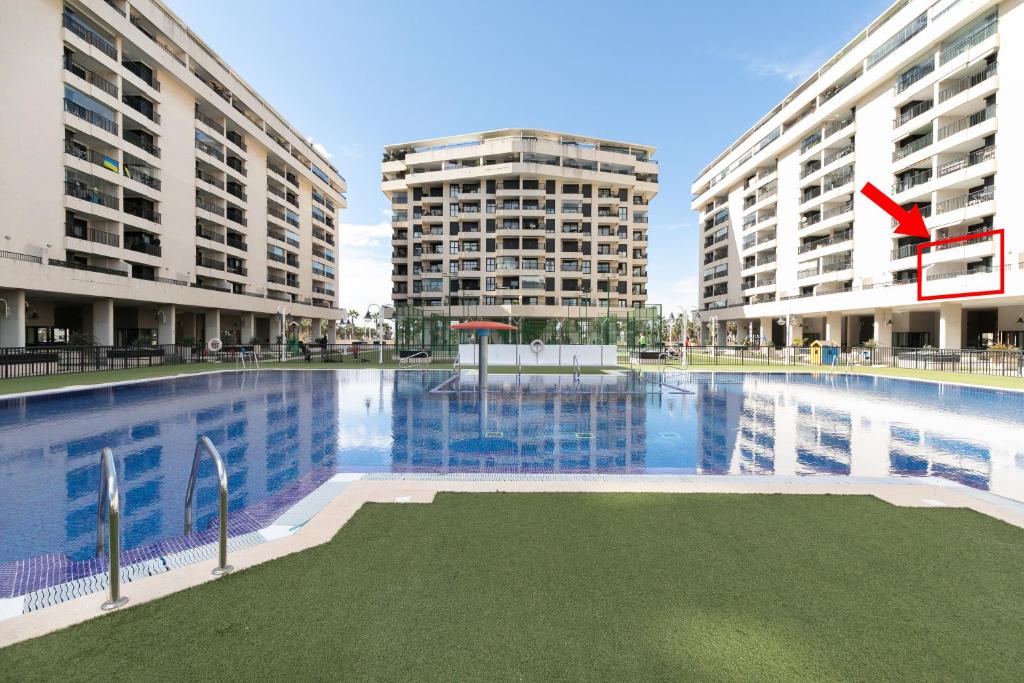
[{"x": 962, "y": 238}]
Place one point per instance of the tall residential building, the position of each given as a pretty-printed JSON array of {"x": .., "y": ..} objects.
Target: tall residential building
[
  {"x": 520, "y": 221},
  {"x": 927, "y": 104},
  {"x": 150, "y": 192}
]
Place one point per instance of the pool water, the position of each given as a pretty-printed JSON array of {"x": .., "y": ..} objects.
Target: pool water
[{"x": 284, "y": 433}]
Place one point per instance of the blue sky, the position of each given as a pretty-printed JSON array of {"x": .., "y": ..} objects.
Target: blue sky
[{"x": 687, "y": 77}]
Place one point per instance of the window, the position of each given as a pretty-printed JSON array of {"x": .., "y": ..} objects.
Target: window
[
  {"x": 453, "y": 247},
  {"x": 490, "y": 265},
  {"x": 319, "y": 174},
  {"x": 490, "y": 283}
]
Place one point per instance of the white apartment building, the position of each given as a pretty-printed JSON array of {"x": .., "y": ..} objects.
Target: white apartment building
[
  {"x": 520, "y": 222},
  {"x": 927, "y": 104},
  {"x": 150, "y": 193}
]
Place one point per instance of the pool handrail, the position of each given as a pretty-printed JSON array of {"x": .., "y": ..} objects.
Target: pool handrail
[
  {"x": 110, "y": 500},
  {"x": 408, "y": 359},
  {"x": 576, "y": 372},
  {"x": 205, "y": 445}
]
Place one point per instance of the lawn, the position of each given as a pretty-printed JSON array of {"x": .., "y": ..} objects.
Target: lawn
[
  {"x": 21, "y": 384},
  {"x": 994, "y": 381},
  {"x": 588, "y": 587}
]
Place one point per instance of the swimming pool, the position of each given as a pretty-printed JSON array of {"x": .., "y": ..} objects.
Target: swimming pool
[{"x": 283, "y": 434}]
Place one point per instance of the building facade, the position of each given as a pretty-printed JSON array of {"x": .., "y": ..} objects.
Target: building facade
[
  {"x": 926, "y": 104},
  {"x": 521, "y": 222},
  {"x": 158, "y": 196}
]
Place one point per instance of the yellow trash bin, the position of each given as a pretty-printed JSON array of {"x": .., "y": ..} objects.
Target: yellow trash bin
[{"x": 816, "y": 353}]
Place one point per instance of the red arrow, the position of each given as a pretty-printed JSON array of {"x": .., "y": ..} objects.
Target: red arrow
[{"x": 910, "y": 222}]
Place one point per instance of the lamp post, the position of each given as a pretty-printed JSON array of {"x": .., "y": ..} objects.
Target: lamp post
[{"x": 375, "y": 317}]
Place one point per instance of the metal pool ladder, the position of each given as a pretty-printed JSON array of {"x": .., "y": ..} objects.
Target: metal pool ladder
[
  {"x": 110, "y": 500},
  {"x": 576, "y": 372},
  {"x": 202, "y": 445},
  {"x": 408, "y": 359}
]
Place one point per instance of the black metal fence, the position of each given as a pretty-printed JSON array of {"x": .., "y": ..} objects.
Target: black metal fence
[
  {"x": 1000, "y": 362},
  {"x": 40, "y": 361}
]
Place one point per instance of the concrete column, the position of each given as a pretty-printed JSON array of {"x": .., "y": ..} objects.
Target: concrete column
[
  {"x": 212, "y": 330},
  {"x": 834, "y": 328},
  {"x": 314, "y": 329},
  {"x": 332, "y": 331},
  {"x": 791, "y": 332},
  {"x": 278, "y": 327},
  {"x": 12, "y": 318},
  {"x": 766, "y": 331},
  {"x": 950, "y": 325},
  {"x": 741, "y": 331},
  {"x": 882, "y": 329},
  {"x": 166, "y": 323},
  {"x": 248, "y": 328},
  {"x": 103, "y": 321}
]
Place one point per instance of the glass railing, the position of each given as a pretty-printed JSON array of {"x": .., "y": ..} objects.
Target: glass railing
[{"x": 967, "y": 42}]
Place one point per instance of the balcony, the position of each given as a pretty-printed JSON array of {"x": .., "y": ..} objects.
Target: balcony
[
  {"x": 208, "y": 206},
  {"x": 913, "y": 76},
  {"x": 976, "y": 157},
  {"x": 141, "y": 142},
  {"x": 77, "y": 189},
  {"x": 206, "y": 262},
  {"x": 209, "y": 179},
  {"x": 967, "y": 42},
  {"x": 209, "y": 235},
  {"x": 210, "y": 149},
  {"x": 911, "y": 147},
  {"x": 89, "y": 35},
  {"x": 237, "y": 243},
  {"x": 143, "y": 212},
  {"x": 143, "y": 73},
  {"x": 90, "y": 77},
  {"x": 143, "y": 247},
  {"x": 979, "y": 196},
  {"x": 210, "y": 122},
  {"x": 967, "y": 122},
  {"x": 967, "y": 83},
  {"x": 910, "y": 180},
  {"x": 90, "y": 116},
  {"x": 82, "y": 266},
  {"x": 142, "y": 106},
  {"x": 92, "y": 235},
  {"x": 912, "y": 113},
  {"x": 837, "y": 266}
]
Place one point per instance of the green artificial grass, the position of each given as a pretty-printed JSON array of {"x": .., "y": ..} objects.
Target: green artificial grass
[
  {"x": 617, "y": 587},
  {"x": 21, "y": 384},
  {"x": 994, "y": 381}
]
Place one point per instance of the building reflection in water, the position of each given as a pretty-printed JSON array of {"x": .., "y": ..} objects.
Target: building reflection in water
[{"x": 532, "y": 426}]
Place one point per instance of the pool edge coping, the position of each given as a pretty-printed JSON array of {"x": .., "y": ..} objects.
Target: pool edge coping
[
  {"x": 604, "y": 371},
  {"x": 326, "y": 522}
]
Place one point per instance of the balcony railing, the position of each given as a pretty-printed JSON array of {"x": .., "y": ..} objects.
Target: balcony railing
[
  {"x": 961, "y": 273},
  {"x": 90, "y": 116},
  {"x": 82, "y": 266},
  {"x": 79, "y": 190},
  {"x": 90, "y": 36},
  {"x": 144, "y": 247},
  {"x": 209, "y": 263},
  {"x": 210, "y": 122},
  {"x": 839, "y": 237},
  {"x": 207, "y": 206},
  {"x": 912, "y": 180},
  {"x": 967, "y": 83},
  {"x": 90, "y": 76},
  {"x": 915, "y": 111},
  {"x": 806, "y": 273},
  {"x": 966, "y": 122},
  {"x": 92, "y": 235},
  {"x": 911, "y": 147},
  {"x": 142, "y": 74},
  {"x": 976, "y": 157},
  {"x": 838, "y": 154},
  {"x": 834, "y": 211},
  {"x": 213, "y": 151},
  {"x": 916, "y": 74},
  {"x": 141, "y": 142},
  {"x": 142, "y": 212},
  {"x": 979, "y": 196},
  {"x": 816, "y": 166},
  {"x": 149, "y": 113},
  {"x": 209, "y": 235},
  {"x": 836, "y": 266},
  {"x": 810, "y": 194},
  {"x": 839, "y": 181},
  {"x": 209, "y": 179},
  {"x": 836, "y": 127},
  {"x": 968, "y": 41}
]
